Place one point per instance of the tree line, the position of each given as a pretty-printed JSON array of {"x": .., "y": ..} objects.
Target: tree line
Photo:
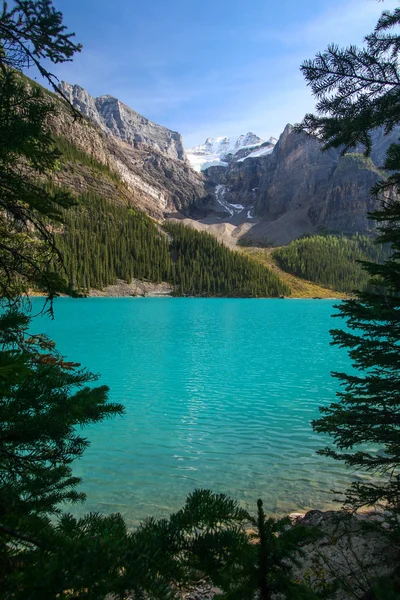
[
  {"x": 102, "y": 241},
  {"x": 204, "y": 267},
  {"x": 331, "y": 260}
]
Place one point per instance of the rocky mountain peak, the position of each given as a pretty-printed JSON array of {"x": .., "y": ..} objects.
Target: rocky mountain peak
[
  {"x": 293, "y": 187},
  {"x": 117, "y": 119},
  {"x": 288, "y": 130}
]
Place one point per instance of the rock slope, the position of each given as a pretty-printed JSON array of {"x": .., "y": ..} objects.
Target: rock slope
[
  {"x": 279, "y": 190},
  {"x": 148, "y": 159},
  {"x": 117, "y": 119},
  {"x": 295, "y": 189}
]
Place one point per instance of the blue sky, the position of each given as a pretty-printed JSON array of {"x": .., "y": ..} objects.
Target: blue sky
[{"x": 209, "y": 67}]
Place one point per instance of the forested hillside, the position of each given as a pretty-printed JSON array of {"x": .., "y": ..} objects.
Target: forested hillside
[
  {"x": 102, "y": 241},
  {"x": 330, "y": 260},
  {"x": 203, "y": 266},
  {"x": 108, "y": 237}
]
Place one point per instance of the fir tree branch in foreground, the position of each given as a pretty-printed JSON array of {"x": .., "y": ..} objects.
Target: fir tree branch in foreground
[{"x": 358, "y": 90}]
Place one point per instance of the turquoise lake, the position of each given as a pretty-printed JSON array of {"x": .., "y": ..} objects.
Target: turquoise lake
[{"x": 219, "y": 393}]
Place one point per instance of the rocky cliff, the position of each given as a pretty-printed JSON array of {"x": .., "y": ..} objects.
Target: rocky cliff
[
  {"x": 295, "y": 188},
  {"x": 148, "y": 159},
  {"x": 115, "y": 118}
]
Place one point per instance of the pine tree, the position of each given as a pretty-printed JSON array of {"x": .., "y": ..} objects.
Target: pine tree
[
  {"x": 331, "y": 260},
  {"x": 211, "y": 536},
  {"x": 27, "y": 246},
  {"x": 359, "y": 90},
  {"x": 44, "y": 400}
]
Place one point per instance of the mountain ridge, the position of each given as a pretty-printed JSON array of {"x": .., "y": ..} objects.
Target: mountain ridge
[
  {"x": 296, "y": 189},
  {"x": 153, "y": 180},
  {"x": 117, "y": 119}
]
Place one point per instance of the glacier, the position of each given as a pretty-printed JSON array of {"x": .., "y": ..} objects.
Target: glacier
[{"x": 219, "y": 151}]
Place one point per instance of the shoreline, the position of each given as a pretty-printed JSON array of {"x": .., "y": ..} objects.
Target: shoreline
[
  {"x": 104, "y": 294},
  {"x": 147, "y": 289}
]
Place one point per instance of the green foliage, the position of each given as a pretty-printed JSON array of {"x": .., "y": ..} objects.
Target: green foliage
[
  {"x": 71, "y": 153},
  {"x": 44, "y": 403},
  {"x": 333, "y": 261},
  {"x": 32, "y": 31},
  {"x": 358, "y": 90},
  {"x": 364, "y": 422},
  {"x": 205, "y": 267},
  {"x": 26, "y": 209},
  {"x": 212, "y": 537},
  {"x": 362, "y": 161},
  {"x": 44, "y": 400},
  {"x": 277, "y": 549},
  {"x": 102, "y": 242},
  {"x": 96, "y": 555}
]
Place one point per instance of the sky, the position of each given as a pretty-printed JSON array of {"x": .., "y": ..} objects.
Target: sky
[{"x": 207, "y": 68}]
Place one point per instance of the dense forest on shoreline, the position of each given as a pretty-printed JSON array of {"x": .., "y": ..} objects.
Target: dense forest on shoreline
[
  {"x": 204, "y": 267},
  {"x": 102, "y": 242},
  {"x": 334, "y": 261}
]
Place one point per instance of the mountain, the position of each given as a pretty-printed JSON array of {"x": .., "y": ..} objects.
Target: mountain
[
  {"x": 295, "y": 188},
  {"x": 270, "y": 192},
  {"x": 148, "y": 158},
  {"x": 274, "y": 191},
  {"x": 130, "y": 176},
  {"x": 125, "y": 181},
  {"x": 115, "y": 118},
  {"x": 222, "y": 151}
]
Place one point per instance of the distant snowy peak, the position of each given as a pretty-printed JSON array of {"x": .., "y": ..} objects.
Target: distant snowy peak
[
  {"x": 250, "y": 139},
  {"x": 225, "y": 145},
  {"x": 219, "y": 151}
]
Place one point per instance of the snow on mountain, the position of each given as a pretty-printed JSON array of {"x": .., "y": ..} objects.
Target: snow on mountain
[
  {"x": 231, "y": 209},
  {"x": 217, "y": 151},
  {"x": 263, "y": 151}
]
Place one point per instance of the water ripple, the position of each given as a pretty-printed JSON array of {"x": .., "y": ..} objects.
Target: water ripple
[{"x": 218, "y": 393}]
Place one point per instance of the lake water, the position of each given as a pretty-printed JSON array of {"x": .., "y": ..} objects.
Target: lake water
[{"x": 219, "y": 393}]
